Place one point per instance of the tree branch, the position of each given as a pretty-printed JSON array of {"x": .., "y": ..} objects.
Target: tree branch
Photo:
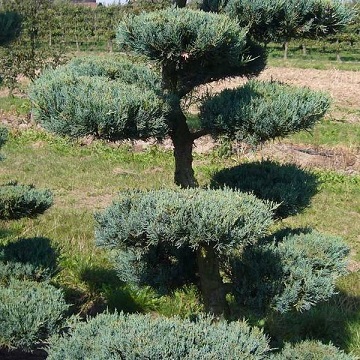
[{"x": 199, "y": 133}]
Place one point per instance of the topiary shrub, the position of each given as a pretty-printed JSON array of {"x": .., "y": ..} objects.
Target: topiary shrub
[
  {"x": 311, "y": 350},
  {"x": 29, "y": 313},
  {"x": 286, "y": 184},
  {"x": 110, "y": 99},
  {"x": 259, "y": 111},
  {"x": 17, "y": 201},
  {"x": 154, "y": 230},
  {"x": 32, "y": 259},
  {"x": 120, "y": 336},
  {"x": 294, "y": 273}
]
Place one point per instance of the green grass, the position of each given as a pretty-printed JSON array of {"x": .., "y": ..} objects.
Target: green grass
[
  {"x": 330, "y": 133},
  {"x": 16, "y": 105},
  {"x": 316, "y": 57},
  {"x": 86, "y": 178}
]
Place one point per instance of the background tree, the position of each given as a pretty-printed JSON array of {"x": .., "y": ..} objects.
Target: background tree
[{"x": 28, "y": 54}]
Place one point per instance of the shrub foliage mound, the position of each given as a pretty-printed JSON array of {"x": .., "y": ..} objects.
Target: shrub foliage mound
[
  {"x": 27, "y": 258},
  {"x": 17, "y": 201},
  {"x": 311, "y": 350},
  {"x": 112, "y": 99},
  {"x": 119, "y": 336},
  {"x": 294, "y": 273},
  {"x": 29, "y": 313},
  {"x": 155, "y": 234}
]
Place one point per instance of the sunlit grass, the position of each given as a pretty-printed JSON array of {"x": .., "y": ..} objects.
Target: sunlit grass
[{"x": 85, "y": 179}]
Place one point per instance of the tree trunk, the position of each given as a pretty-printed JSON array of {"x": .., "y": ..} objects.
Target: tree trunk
[
  {"x": 304, "y": 49},
  {"x": 286, "y": 49},
  {"x": 180, "y": 3},
  {"x": 183, "y": 145},
  {"x": 180, "y": 134},
  {"x": 211, "y": 284}
]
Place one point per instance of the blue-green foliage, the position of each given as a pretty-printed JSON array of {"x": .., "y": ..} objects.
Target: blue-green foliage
[
  {"x": 17, "y": 201},
  {"x": 198, "y": 46},
  {"x": 129, "y": 71},
  {"x": 155, "y": 233},
  {"x": 29, "y": 313},
  {"x": 119, "y": 336},
  {"x": 112, "y": 99},
  {"x": 285, "y": 184},
  {"x": 168, "y": 34},
  {"x": 294, "y": 273},
  {"x": 282, "y": 20},
  {"x": 260, "y": 111},
  {"x": 32, "y": 259},
  {"x": 311, "y": 350}
]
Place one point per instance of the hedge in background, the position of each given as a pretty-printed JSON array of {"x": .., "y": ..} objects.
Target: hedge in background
[
  {"x": 120, "y": 336},
  {"x": 29, "y": 313}
]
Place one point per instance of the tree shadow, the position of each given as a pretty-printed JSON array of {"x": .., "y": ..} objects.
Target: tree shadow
[
  {"x": 285, "y": 184},
  {"x": 108, "y": 292},
  {"x": 32, "y": 258}
]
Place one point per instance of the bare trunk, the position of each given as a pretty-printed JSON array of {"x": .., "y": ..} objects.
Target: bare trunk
[
  {"x": 212, "y": 286},
  {"x": 180, "y": 134},
  {"x": 180, "y": 3},
  {"x": 286, "y": 49},
  {"x": 304, "y": 49},
  {"x": 183, "y": 145}
]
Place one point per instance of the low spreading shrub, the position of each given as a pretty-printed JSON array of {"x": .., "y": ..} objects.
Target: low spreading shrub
[
  {"x": 311, "y": 350},
  {"x": 120, "y": 336},
  {"x": 29, "y": 313},
  {"x": 17, "y": 201}
]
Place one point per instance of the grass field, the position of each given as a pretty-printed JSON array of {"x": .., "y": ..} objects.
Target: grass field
[{"x": 85, "y": 178}]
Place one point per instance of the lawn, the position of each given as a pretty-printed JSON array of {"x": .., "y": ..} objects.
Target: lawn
[{"x": 85, "y": 176}]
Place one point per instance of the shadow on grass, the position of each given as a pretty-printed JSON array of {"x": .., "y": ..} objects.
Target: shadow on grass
[
  {"x": 108, "y": 292},
  {"x": 33, "y": 258},
  {"x": 285, "y": 184}
]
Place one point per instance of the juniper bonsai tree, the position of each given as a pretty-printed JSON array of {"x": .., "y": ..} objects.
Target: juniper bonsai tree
[
  {"x": 121, "y": 98},
  {"x": 184, "y": 48}
]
